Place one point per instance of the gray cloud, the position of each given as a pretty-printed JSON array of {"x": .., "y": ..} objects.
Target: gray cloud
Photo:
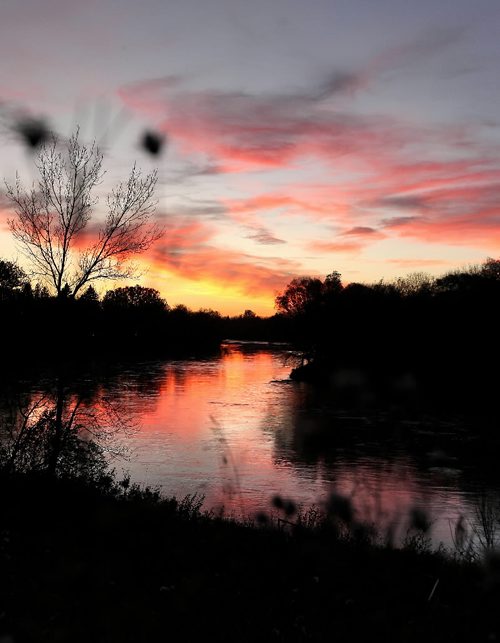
[
  {"x": 197, "y": 209},
  {"x": 407, "y": 202},
  {"x": 264, "y": 237},
  {"x": 334, "y": 83},
  {"x": 425, "y": 46},
  {"x": 192, "y": 170},
  {"x": 361, "y": 231},
  {"x": 398, "y": 222}
]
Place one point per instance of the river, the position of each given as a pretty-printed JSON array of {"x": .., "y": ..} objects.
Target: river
[{"x": 235, "y": 429}]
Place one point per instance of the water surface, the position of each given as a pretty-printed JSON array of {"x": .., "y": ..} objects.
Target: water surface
[{"x": 236, "y": 429}]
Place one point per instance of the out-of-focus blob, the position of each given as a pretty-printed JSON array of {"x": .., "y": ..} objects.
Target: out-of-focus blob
[
  {"x": 32, "y": 131},
  {"x": 153, "y": 143}
]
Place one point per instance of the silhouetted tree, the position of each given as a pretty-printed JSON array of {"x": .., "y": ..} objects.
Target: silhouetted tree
[
  {"x": 134, "y": 297},
  {"x": 491, "y": 269},
  {"x": 90, "y": 295},
  {"x": 51, "y": 219},
  {"x": 41, "y": 292},
  {"x": 181, "y": 310},
  {"x": 300, "y": 294},
  {"x": 460, "y": 281},
  {"x": 333, "y": 283},
  {"x": 12, "y": 278},
  {"x": 415, "y": 283}
]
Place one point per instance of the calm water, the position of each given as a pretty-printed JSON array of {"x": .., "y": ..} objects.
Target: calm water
[{"x": 235, "y": 429}]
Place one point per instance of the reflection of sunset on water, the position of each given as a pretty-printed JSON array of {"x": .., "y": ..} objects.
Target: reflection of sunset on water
[{"x": 235, "y": 429}]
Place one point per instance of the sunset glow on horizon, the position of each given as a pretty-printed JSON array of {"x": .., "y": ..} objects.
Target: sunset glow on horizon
[{"x": 298, "y": 140}]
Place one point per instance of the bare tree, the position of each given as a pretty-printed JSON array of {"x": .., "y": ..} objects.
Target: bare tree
[{"x": 52, "y": 218}]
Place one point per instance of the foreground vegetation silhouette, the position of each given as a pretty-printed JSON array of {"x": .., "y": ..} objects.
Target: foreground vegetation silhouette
[{"x": 85, "y": 556}]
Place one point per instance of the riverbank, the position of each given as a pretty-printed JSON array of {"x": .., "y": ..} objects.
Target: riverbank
[
  {"x": 98, "y": 561},
  {"x": 465, "y": 389}
]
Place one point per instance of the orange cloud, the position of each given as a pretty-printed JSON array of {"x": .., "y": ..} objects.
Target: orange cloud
[
  {"x": 332, "y": 246},
  {"x": 186, "y": 234},
  {"x": 250, "y": 275},
  {"x": 185, "y": 252}
]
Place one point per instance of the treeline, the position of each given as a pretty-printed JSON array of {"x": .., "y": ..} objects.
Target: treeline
[
  {"x": 443, "y": 331},
  {"x": 125, "y": 321}
]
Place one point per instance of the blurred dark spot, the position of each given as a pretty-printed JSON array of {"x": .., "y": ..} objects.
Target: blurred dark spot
[
  {"x": 262, "y": 518},
  {"x": 340, "y": 507},
  {"x": 33, "y": 131},
  {"x": 277, "y": 502},
  {"x": 152, "y": 143},
  {"x": 288, "y": 507},
  {"x": 419, "y": 520}
]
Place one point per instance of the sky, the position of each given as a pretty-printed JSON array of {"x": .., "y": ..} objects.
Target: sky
[{"x": 300, "y": 138}]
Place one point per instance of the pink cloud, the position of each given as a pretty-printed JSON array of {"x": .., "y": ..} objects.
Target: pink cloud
[
  {"x": 187, "y": 251},
  {"x": 447, "y": 192},
  {"x": 479, "y": 229},
  {"x": 333, "y": 246},
  {"x": 244, "y": 131},
  {"x": 365, "y": 233}
]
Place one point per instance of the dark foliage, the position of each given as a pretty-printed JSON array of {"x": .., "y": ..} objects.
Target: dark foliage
[
  {"x": 418, "y": 338},
  {"x": 12, "y": 280},
  {"x": 128, "y": 322},
  {"x": 109, "y": 562},
  {"x": 439, "y": 333}
]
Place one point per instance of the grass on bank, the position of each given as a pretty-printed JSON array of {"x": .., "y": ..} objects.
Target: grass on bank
[{"x": 95, "y": 560}]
